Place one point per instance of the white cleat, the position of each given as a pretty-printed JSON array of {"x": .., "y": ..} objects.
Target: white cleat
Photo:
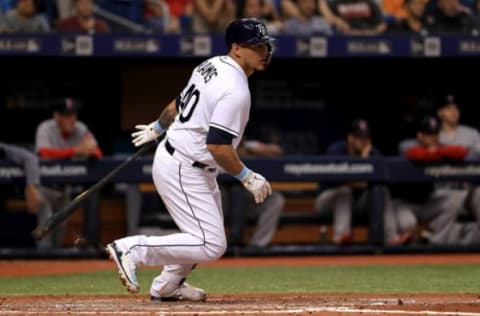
[
  {"x": 126, "y": 268},
  {"x": 185, "y": 292}
]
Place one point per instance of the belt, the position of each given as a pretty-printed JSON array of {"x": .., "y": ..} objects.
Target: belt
[{"x": 196, "y": 164}]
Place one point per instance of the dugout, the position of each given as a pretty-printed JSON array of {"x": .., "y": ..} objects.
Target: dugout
[{"x": 306, "y": 101}]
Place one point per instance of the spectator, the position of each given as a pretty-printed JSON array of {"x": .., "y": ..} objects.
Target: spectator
[
  {"x": 309, "y": 22},
  {"x": 64, "y": 8},
  {"x": 395, "y": 8},
  {"x": 341, "y": 197},
  {"x": 157, "y": 15},
  {"x": 3, "y": 26},
  {"x": 212, "y": 16},
  {"x": 180, "y": 16},
  {"x": 451, "y": 17},
  {"x": 6, "y": 5},
  {"x": 63, "y": 137},
  {"x": 83, "y": 21},
  {"x": 354, "y": 17},
  {"x": 290, "y": 9},
  {"x": 437, "y": 207},
  {"x": 413, "y": 22},
  {"x": 239, "y": 205},
  {"x": 263, "y": 10},
  {"x": 476, "y": 13},
  {"x": 25, "y": 18}
]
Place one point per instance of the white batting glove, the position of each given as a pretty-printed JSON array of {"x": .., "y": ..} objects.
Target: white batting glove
[
  {"x": 147, "y": 133},
  {"x": 257, "y": 185}
]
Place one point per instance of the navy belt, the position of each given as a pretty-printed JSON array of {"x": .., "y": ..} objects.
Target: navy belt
[{"x": 196, "y": 164}]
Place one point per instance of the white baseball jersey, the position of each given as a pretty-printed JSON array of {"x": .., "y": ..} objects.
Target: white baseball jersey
[{"x": 217, "y": 95}]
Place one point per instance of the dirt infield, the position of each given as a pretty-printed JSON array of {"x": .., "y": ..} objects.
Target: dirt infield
[
  {"x": 464, "y": 305},
  {"x": 281, "y": 304}
]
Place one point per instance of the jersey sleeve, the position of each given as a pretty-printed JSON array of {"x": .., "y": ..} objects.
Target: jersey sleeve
[
  {"x": 25, "y": 158},
  {"x": 231, "y": 112},
  {"x": 41, "y": 137}
]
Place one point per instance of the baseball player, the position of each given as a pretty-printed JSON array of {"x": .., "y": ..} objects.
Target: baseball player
[
  {"x": 62, "y": 137},
  {"x": 205, "y": 125},
  {"x": 29, "y": 162}
]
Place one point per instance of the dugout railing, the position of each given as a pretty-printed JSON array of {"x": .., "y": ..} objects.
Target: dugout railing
[{"x": 378, "y": 172}]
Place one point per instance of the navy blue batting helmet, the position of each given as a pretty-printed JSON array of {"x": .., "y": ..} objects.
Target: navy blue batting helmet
[{"x": 247, "y": 31}]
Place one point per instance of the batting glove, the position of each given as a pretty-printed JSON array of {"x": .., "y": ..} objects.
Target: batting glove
[
  {"x": 147, "y": 133},
  {"x": 257, "y": 185}
]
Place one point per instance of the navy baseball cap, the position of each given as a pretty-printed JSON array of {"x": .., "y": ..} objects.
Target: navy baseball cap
[
  {"x": 429, "y": 125},
  {"x": 360, "y": 127},
  {"x": 446, "y": 100},
  {"x": 67, "y": 105},
  {"x": 247, "y": 31}
]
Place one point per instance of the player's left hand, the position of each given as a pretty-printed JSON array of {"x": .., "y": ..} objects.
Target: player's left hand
[
  {"x": 145, "y": 134},
  {"x": 257, "y": 185}
]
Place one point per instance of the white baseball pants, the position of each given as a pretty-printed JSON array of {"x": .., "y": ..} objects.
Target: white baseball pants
[{"x": 192, "y": 198}]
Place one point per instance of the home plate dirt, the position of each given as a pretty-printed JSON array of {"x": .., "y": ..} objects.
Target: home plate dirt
[{"x": 351, "y": 304}]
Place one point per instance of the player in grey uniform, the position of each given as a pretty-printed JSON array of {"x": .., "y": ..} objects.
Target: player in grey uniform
[
  {"x": 453, "y": 133},
  {"x": 64, "y": 137},
  {"x": 205, "y": 125},
  {"x": 435, "y": 204},
  {"x": 29, "y": 162}
]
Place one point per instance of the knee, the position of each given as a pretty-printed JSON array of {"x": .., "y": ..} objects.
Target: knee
[
  {"x": 343, "y": 192},
  {"x": 216, "y": 250},
  {"x": 407, "y": 221}
]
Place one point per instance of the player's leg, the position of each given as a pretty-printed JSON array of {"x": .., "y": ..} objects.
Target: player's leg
[
  {"x": 240, "y": 201},
  {"x": 268, "y": 214},
  {"x": 192, "y": 198},
  {"x": 170, "y": 285},
  {"x": 43, "y": 213},
  {"x": 194, "y": 210},
  {"x": 134, "y": 199},
  {"x": 51, "y": 200},
  {"x": 474, "y": 202},
  {"x": 400, "y": 221},
  {"x": 338, "y": 199},
  {"x": 441, "y": 212}
]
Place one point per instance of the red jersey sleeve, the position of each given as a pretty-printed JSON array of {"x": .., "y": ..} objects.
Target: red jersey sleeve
[
  {"x": 453, "y": 152},
  {"x": 421, "y": 154},
  {"x": 56, "y": 153}
]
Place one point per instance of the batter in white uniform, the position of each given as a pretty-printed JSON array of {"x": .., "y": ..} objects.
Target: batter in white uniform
[{"x": 205, "y": 125}]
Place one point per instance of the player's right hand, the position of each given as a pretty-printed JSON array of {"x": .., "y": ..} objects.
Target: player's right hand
[
  {"x": 145, "y": 134},
  {"x": 257, "y": 185}
]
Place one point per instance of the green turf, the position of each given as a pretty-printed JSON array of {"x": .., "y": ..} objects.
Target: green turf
[{"x": 319, "y": 279}]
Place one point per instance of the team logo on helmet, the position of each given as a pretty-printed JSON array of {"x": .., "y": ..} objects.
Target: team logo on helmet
[{"x": 261, "y": 29}]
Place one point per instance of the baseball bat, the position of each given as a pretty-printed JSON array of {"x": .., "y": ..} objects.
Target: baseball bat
[{"x": 58, "y": 217}]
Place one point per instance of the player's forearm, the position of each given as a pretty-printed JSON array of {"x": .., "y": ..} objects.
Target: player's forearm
[
  {"x": 226, "y": 157},
  {"x": 168, "y": 115}
]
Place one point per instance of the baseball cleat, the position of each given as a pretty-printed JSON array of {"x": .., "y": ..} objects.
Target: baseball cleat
[
  {"x": 126, "y": 268},
  {"x": 184, "y": 292}
]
